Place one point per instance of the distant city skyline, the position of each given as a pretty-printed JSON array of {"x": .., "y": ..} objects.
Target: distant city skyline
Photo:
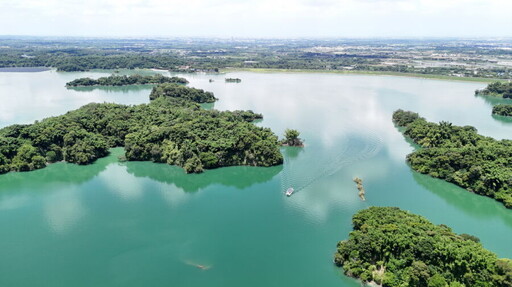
[{"x": 258, "y": 18}]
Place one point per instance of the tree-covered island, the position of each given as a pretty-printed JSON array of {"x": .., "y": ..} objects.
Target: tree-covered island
[
  {"x": 171, "y": 129},
  {"x": 502, "y": 110},
  {"x": 497, "y": 89},
  {"x": 115, "y": 80},
  {"x": 391, "y": 247},
  {"x": 460, "y": 155},
  {"x": 291, "y": 138}
]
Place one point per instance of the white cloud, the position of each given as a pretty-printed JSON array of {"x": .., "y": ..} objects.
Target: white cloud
[
  {"x": 270, "y": 18},
  {"x": 63, "y": 209}
]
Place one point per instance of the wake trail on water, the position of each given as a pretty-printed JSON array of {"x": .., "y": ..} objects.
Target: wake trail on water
[{"x": 302, "y": 172}]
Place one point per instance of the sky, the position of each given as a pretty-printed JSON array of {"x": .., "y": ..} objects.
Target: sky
[{"x": 257, "y": 18}]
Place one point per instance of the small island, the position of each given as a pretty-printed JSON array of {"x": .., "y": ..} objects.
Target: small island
[
  {"x": 497, "y": 89},
  {"x": 233, "y": 80},
  {"x": 391, "y": 247},
  {"x": 291, "y": 138},
  {"x": 502, "y": 110},
  {"x": 460, "y": 155},
  {"x": 171, "y": 129},
  {"x": 115, "y": 80}
]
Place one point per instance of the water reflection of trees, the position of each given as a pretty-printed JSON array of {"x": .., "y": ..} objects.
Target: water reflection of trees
[
  {"x": 471, "y": 204},
  {"x": 492, "y": 101},
  {"x": 210, "y": 106},
  {"x": 502, "y": 119},
  {"x": 57, "y": 173},
  {"x": 236, "y": 176},
  {"x": 291, "y": 152}
]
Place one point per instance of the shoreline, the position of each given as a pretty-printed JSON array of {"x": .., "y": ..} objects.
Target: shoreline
[
  {"x": 374, "y": 73},
  {"x": 24, "y": 69}
]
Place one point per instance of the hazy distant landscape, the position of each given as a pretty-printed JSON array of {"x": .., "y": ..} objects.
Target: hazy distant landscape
[{"x": 454, "y": 58}]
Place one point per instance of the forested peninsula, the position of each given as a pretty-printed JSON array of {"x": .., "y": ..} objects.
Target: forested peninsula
[
  {"x": 497, "y": 89},
  {"x": 392, "y": 247},
  {"x": 460, "y": 155},
  {"x": 502, "y": 110},
  {"x": 171, "y": 129},
  {"x": 115, "y": 80}
]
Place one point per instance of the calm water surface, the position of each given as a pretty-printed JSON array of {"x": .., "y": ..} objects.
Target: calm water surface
[{"x": 145, "y": 224}]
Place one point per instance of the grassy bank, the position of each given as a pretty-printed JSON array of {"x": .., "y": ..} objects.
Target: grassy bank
[{"x": 415, "y": 75}]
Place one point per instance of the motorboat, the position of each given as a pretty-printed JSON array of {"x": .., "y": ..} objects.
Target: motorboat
[{"x": 289, "y": 191}]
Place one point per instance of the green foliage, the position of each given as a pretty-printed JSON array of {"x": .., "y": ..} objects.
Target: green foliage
[
  {"x": 504, "y": 269},
  {"x": 461, "y": 156},
  {"x": 72, "y": 60},
  {"x": 437, "y": 281},
  {"x": 470, "y": 237},
  {"x": 51, "y": 156},
  {"x": 193, "y": 165},
  {"x": 172, "y": 129},
  {"x": 179, "y": 91},
  {"x": 27, "y": 158},
  {"x": 411, "y": 251},
  {"x": 497, "y": 89},
  {"x": 248, "y": 116},
  {"x": 4, "y": 164},
  {"x": 114, "y": 80},
  {"x": 83, "y": 147},
  {"x": 292, "y": 138},
  {"x": 502, "y": 110},
  {"x": 403, "y": 118}
]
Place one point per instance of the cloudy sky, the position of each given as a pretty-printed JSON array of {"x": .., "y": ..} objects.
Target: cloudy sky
[{"x": 258, "y": 18}]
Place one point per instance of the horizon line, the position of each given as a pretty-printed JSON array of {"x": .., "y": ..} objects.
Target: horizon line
[{"x": 159, "y": 37}]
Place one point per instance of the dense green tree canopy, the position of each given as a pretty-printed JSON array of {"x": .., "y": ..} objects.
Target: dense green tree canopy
[
  {"x": 497, "y": 89},
  {"x": 291, "y": 138},
  {"x": 71, "y": 60},
  {"x": 393, "y": 247},
  {"x": 502, "y": 110},
  {"x": 179, "y": 91},
  {"x": 172, "y": 129},
  {"x": 115, "y": 80},
  {"x": 460, "y": 155}
]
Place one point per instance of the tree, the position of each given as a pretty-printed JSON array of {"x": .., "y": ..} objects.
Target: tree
[
  {"x": 4, "y": 165},
  {"x": 27, "y": 159},
  {"x": 292, "y": 138},
  {"x": 437, "y": 281}
]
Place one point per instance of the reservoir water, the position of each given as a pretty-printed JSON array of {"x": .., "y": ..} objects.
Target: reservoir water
[{"x": 143, "y": 224}]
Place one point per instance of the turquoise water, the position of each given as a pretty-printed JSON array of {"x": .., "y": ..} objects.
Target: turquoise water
[{"x": 139, "y": 223}]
